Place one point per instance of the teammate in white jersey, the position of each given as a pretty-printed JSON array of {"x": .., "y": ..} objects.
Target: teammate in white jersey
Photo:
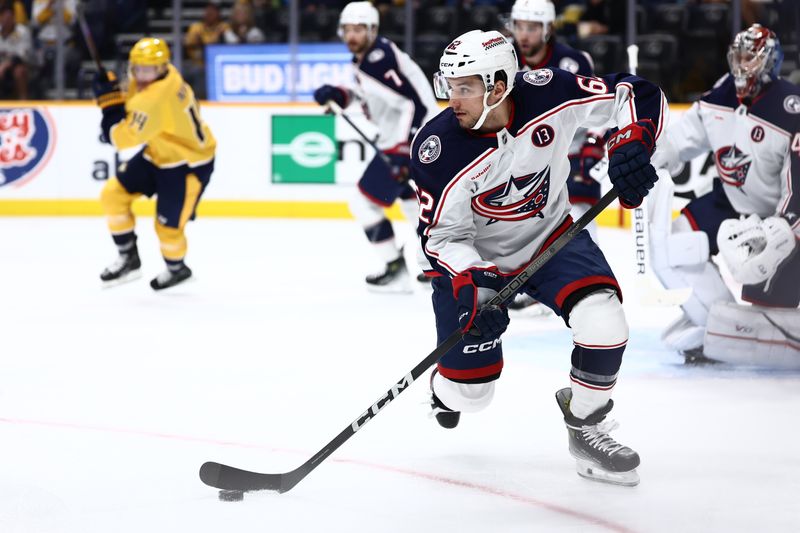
[
  {"x": 396, "y": 97},
  {"x": 751, "y": 122},
  {"x": 491, "y": 175}
]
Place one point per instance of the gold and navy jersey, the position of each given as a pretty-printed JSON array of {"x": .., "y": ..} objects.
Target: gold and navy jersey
[{"x": 165, "y": 118}]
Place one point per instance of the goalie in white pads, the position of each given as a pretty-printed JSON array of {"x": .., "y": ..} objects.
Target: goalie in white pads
[
  {"x": 750, "y": 120},
  {"x": 491, "y": 173},
  {"x": 397, "y": 98}
]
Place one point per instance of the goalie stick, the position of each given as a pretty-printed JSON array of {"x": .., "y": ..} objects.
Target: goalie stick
[{"x": 235, "y": 479}]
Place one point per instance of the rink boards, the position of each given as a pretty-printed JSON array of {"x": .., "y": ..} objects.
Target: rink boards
[{"x": 281, "y": 161}]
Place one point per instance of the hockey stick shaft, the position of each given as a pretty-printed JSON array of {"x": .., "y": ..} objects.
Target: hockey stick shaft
[
  {"x": 231, "y": 478},
  {"x": 87, "y": 37},
  {"x": 336, "y": 108}
]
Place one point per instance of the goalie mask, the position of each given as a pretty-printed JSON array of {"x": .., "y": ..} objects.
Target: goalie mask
[
  {"x": 477, "y": 53},
  {"x": 755, "y": 58}
]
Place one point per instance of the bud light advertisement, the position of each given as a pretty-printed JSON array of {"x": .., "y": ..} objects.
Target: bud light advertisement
[{"x": 265, "y": 72}]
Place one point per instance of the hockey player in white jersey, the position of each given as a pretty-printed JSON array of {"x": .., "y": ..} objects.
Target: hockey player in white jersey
[
  {"x": 491, "y": 175},
  {"x": 750, "y": 120},
  {"x": 397, "y": 97},
  {"x": 532, "y": 25}
]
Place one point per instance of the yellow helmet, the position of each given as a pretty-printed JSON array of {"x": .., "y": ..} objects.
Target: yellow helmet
[{"x": 149, "y": 51}]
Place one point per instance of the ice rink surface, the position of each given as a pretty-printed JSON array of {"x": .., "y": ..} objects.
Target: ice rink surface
[{"x": 110, "y": 400}]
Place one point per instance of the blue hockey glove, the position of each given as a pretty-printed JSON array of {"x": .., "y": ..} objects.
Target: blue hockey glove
[
  {"x": 629, "y": 166},
  {"x": 328, "y": 92},
  {"x": 399, "y": 162},
  {"x": 471, "y": 289},
  {"x": 591, "y": 152},
  {"x": 106, "y": 89},
  {"x": 109, "y": 97}
]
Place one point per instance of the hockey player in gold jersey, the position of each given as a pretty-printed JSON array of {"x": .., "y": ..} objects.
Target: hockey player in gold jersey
[{"x": 158, "y": 110}]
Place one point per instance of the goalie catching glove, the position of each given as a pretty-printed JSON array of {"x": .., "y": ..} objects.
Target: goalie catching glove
[
  {"x": 472, "y": 289},
  {"x": 629, "y": 166},
  {"x": 754, "y": 249}
]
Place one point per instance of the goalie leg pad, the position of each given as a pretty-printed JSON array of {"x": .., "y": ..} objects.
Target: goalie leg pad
[
  {"x": 753, "y": 336},
  {"x": 681, "y": 259},
  {"x": 464, "y": 397}
]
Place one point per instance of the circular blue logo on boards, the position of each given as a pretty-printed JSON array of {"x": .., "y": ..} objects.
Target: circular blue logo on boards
[{"x": 27, "y": 138}]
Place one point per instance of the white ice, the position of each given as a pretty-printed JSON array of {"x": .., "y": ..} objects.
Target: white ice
[{"x": 110, "y": 400}]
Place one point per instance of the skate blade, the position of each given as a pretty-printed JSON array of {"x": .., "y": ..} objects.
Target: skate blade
[
  {"x": 589, "y": 470},
  {"x": 182, "y": 283},
  {"x": 130, "y": 276},
  {"x": 390, "y": 289}
]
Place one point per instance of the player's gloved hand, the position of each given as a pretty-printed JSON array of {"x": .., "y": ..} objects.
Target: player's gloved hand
[
  {"x": 109, "y": 97},
  {"x": 106, "y": 89},
  {"x": 327, "y": 93},
  {"x": 754, "y": 249},
  {"x": 629, "y": 166},
  {"x": 399, "y": 162},
  {"x": 591, "y": 152},
  {"x": 472, "y": 289}
]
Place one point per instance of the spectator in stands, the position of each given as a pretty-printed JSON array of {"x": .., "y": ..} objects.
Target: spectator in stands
[
  {"x": 243, "y": 28},
  {"x": 16, "y": 47},
  {"x": 603, "y": 17},
  {"x": 43, "y": 18},
  {"x": 210, "y": 30}
]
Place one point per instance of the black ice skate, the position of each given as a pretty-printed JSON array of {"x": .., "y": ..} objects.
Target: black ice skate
[
  {"x": 696, "y": 357},
  {"x": 393, "y": 279},
  {"x": 170, "y": 278},
  {"x": 447, "y": 418},
  {"x": 598, "y": 456},
  {"x": 125, "y": 268}
]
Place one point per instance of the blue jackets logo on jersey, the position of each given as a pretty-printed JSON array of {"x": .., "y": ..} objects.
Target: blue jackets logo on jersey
[
  {"x": 732, "y": 165},
  {"x": 26, "y": 142},
  {"x": 792, "y": 104},
  {"x": 430, "y": 149},
  {"x": 538, "y": 77},
  {"x": 518, "y": 199}
]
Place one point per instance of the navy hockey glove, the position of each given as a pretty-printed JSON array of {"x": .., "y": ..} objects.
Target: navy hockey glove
[
  {"x": 399, "y": 162},
  {"x": 109, "y": 98},
  {"x": 471, "y": 289},
  {"x": 629, "y": 166},
  {"x": 328, "y": 92},
  {"x": 591, "y": 152}
]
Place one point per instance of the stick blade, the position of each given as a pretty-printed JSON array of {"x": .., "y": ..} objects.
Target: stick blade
[{"x": 230, "y": 478}]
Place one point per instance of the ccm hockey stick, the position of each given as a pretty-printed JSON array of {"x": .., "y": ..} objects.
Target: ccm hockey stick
[{"x": 237, "y": 480}]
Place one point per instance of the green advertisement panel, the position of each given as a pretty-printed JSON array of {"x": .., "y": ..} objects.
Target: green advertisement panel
[{"x": 304, "y": 149}]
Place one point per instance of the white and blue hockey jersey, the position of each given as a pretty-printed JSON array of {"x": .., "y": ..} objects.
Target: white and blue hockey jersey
[
  {"x": 756, "y": 149},
  {"x": 396, "y": 96},
  {"x": 497, "y": 199}
]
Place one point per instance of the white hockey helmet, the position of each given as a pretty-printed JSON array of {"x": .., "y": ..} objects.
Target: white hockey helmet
[
  {"x": 359, "y": 13},
  {"x": 477, "y": 53},
  {"x": 534, "y": 11}
]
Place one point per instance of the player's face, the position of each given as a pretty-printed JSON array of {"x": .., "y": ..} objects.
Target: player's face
[
  {"x": 466, "y": 99},
  {"x": 145, "y": 74},
  {"x": 356, "y": 37},
  {"x": 529, "y": 36}
]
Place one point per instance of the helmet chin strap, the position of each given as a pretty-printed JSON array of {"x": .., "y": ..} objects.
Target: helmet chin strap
[{"x": 487, "y": 108}]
